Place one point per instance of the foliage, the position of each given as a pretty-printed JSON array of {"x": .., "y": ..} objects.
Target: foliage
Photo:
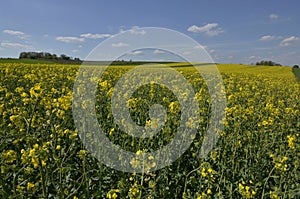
[
  {"x": 267, "y": 63},
  {"x": 44, "y": 55}
]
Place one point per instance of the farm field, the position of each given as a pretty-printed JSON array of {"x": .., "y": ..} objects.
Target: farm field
[
  {"x": 257, "y": 154},
  {"x": 297, "y": 73}
]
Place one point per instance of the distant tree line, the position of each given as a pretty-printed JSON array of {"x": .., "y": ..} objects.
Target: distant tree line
[
  {"x": 45, "y": 55},
  {"x": 267, "y": 63}
]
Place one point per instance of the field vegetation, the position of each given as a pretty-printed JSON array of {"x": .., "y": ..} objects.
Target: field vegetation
[{"x": 257, "y": 154}]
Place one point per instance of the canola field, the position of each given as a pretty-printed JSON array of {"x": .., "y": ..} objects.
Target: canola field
[{"x": 257, "y": 154}]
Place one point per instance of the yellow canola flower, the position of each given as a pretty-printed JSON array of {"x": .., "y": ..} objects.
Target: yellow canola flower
[
  {"x": 32, "y": 152},
  {"x": 35, "y": 91},
  {"x": 135, "y": 163},
  {"x": 20, "y": 188},
  {"x": 111, "y": 131},
  {"x": 139, "y": 152},
  {"x": 30, "y": 186},
  {"x": 134, "y": 192},
  {"x": 291, "y": 141},
  {"x": 201, "y": 196},
  {"x": 82, "y": 154},
  {"x": 246, "y": 191},
  {"x": 209, "y": 191},
  {"x": 1, "y": 108},
  {"x": 210, "y": 170},
  {"x": 35, "y": 162},
  {"x": 112, "y": 194},
  {"x": 150, "y": 157},
  {"x": 13, "y": 118},
  {"x": 274, "y": 195},
  {"x": 9, "y": 156},
  {"x": 36, "y": 146},
  {"x": 203, "y": 173},
  {"x": 44, "y": 163}
]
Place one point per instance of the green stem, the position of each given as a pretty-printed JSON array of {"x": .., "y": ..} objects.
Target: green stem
[
  {"x": 142, "y": 178},
  {"x": 43, "y": 181},
  {"x": 85, "y": 179},
  {"x": 263, "y": 192},
  {"x": 185, "y": 184}
]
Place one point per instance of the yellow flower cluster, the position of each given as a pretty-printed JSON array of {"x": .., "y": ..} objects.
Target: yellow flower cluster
[
  {"x": 134, "y": 192},
  {"x": 274, "y": 194},
  {"x": 9, "y": 156},
  {"x": 207, "y": 171},
  {"x": 82, "y": 154},
  {"x": 280, "y": 162},
  {"x": 205, "y": 195},
  {"x": 112, "y": 194},
  {"x": 246, "y": 191},
  {"x": 143, "y": 160},
  {"x": 291, "y": 141},
  {"x": 36, "y": 155}
]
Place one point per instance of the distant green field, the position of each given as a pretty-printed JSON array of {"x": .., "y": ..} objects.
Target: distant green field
[
  {"x": 297, "y": 73},
  {"x": 25, "y": 61},
  {"x": 37, "y": 61},
  {"x": 43, "y": 61}
]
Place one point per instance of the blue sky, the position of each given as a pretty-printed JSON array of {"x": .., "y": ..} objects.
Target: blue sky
[{"x": 232, "y": 31}]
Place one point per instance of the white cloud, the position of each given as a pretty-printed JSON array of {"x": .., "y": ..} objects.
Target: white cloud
[
  {"x": 15, "y": 45},
  {"x": 200, "y": 47},
  {"x": 206, "y": 48},
  {"x": 273, "y": 16},
  {"x": 157, "y": 51},
  {"x": 268, "y": 38},
  {"x": 210, "y": 29},
  {"x": 13, "y": 32},
  {"x": 187, "y": 53},
  {"x": 19, "y": 34},
  {"x": 252, "y": 57},
  {"x": 134, "y": 30},
  {"x": 137, "y": 52},
  {"x": 288, "y": 41},
  {"x": 120, "y": 44},
  {"x": 75, "y": 51},
  {"x": 95, "y": 36},
  {"x": 212, "y": 51},
  {"x": 70, "y": 39}
]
